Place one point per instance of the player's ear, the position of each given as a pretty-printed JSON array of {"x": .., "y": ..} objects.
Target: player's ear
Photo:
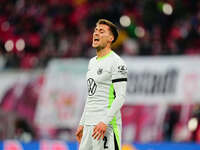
[{"x": 111, "y": 38}]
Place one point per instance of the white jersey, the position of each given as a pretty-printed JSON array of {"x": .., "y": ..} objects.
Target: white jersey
[{"x": 101, "y": 77}]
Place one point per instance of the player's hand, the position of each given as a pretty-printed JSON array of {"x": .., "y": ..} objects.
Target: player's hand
[
  {"x": 99, "y": 130},
  {"x": 79, "y": 133}
]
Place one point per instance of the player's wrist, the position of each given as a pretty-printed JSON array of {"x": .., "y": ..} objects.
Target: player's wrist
[{"x": 81, "y": 123}]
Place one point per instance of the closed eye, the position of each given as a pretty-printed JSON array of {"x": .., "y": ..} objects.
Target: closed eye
[{"x": 102, "y": 31}]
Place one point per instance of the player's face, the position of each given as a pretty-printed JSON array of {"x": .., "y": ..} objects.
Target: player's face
[{"x": 102, "y": 36}]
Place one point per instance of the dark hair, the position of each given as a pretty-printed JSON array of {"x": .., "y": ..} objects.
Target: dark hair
[{"x": 113, "y": 27}]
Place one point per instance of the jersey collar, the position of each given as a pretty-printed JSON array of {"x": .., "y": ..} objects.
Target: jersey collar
[{"x": 101, "y": 58}]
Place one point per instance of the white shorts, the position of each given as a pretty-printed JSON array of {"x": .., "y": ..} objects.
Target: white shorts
[{"x": 111, "y": 141}]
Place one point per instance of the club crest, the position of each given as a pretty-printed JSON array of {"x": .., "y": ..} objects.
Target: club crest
[{"x": 99, "y": 71}]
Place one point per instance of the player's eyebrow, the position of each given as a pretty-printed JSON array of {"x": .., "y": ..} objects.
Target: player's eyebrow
[
  {"x": 100, "y": 29},
  {"x": 95, "y": 29}
]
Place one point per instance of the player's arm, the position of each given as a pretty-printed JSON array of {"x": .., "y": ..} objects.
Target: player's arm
[
  {"x": 120, "y": 91},
  {"x": 79, "y": 131},
  {"x": 119, "y": 80},
  {"x": 83, "y": 114}
]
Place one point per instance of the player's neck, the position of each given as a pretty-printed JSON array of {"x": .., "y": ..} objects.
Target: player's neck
[{"x": 103, "y": 52}]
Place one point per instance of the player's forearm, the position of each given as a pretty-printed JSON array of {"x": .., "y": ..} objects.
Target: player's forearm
[
  {"x": 120, "y": 90},
  {"x": 83, "y": 117}
]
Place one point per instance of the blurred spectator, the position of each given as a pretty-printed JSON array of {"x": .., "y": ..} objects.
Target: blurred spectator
[
  {"x": 23, "y": 131},
  {"x": 172, "y": 118}
]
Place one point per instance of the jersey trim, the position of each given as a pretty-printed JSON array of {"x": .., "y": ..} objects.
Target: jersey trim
[
  {"x": 114, "y": 120},
  {"x": 119, "y": 80},
  {"x": 111, "y": 95},
  {"x": 115, "y": 142},
  {"x": 116, "y": 131},
  {"x": 104, "y": 56}
]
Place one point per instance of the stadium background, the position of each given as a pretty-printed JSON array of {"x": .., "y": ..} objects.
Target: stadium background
[{"x": 45, "y": 46}]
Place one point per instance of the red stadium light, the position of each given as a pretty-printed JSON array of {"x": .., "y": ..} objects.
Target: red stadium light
[
  {"x": 20, "y": 44},
  {"x": 5, "y": 26},
  {"x": 9, "y": 45}
]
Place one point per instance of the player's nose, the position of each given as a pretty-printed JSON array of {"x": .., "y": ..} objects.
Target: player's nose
[{"x": 96, "y": 33}]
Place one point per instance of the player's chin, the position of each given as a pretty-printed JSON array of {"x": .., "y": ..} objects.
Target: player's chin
[{"x": 95, "y": 45}]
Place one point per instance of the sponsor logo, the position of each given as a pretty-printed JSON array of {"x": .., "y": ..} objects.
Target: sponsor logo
[
  {"x": 152, "y": 83},
  {"x": 91, "y": 86}
]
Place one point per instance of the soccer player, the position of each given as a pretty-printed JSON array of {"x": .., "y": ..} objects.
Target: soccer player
[{"x": 100, "y": 125}]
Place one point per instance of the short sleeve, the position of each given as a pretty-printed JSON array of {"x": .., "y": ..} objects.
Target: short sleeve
[{"x": 119, "y": 71}]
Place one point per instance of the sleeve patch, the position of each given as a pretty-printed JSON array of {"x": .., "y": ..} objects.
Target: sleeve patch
[{"x": 122, "y": 69}]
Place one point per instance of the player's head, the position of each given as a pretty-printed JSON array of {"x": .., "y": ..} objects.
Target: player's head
[{"x": 105, "y": 33}]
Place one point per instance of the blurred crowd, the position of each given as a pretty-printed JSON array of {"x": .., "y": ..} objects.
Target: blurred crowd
[{"x": 34, "y": 31}]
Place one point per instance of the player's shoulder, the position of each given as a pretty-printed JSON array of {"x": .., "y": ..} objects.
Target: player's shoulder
[
  {"x": 92, "y": 60},
  {"x": 119, "y": 66},
  {"x": 116, "y": 59}
]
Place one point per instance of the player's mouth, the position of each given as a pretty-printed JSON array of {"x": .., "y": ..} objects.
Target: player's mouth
[{"x": 96, "y": 40}]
